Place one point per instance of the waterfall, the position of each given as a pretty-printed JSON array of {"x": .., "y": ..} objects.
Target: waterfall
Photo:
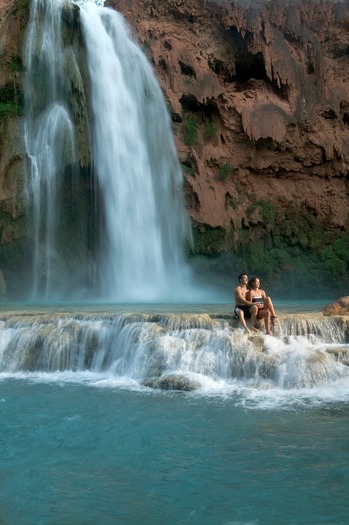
[
  {"x": 136, "y": 162},
  {"x": 124, "y": 240},
  {"x": 49, "y": 139}
]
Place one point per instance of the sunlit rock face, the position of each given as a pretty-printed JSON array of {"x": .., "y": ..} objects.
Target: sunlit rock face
[{"x": 339, "y": 307}]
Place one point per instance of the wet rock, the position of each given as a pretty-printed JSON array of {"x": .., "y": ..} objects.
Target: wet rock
[
  {"x": 339, "y": 307},
  {"x": 257, "y": 340},
  {"x": 171, "y": 382},
  {"x": 340, "y": 353}
]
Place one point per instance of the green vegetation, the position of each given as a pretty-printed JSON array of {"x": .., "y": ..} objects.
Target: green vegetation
[
  {"x": 15, "y": 64},
  {"x": 301, "y": 255},
  {"x": 268, "y": 210},
  {"x": 225, "y": 170},
  {"x": 7, "y": 93},
  {"x": 190, "y": 132},
  {"x": 187, "y": 166},
  {"x": 210, "y": 130},
  {"x": 10, "y": 110},
  {"x": 22, "y": 4},
  {"x": 11, "y": 100},
  {"x": 187, "y": 170},
  {"x": 208, "y": 240},
  {"x": 295, "y": 257},
  {"x": 231, "y": 202}
]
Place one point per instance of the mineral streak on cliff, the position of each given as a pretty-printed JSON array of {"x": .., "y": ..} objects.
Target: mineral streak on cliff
[{"x": 259, "y": 98}]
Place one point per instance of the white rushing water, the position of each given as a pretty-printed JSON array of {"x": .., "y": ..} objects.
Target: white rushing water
[
  {"x": 134, "y": 162},
  {"x": 306, "y": 361},
  {"x": 49, "y": 138}
]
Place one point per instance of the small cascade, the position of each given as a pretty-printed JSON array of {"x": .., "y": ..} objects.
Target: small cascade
[
  {"x": 105, "y": 184},
  {"x": 174, "y": 351},
  {"x": 319, "y": 327}
]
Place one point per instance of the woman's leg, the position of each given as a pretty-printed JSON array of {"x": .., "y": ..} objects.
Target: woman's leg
[
  {"x": 265, "y": 315},
  {"x": 241, "y": 316},
  {"x": 268, "y": 304}
]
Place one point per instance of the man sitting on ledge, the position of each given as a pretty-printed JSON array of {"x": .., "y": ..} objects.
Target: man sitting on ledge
[{"x": 245, "y": 309}]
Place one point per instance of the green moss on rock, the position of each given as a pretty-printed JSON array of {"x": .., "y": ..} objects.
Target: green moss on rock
[{"x": 208, "y": 240}]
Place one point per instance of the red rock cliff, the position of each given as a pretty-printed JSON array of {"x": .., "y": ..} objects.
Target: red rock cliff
[
  {"x": 260, "y": 102},
  {"x": 269, "y": 85}
]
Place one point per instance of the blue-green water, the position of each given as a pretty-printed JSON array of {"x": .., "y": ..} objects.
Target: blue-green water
[
  {"x": 76, "y": 453},
  {"x": 84, "y": 440}
]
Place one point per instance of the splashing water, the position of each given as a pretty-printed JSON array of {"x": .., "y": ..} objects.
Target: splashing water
[
  {"x": 138, "y": 254},
  {"x": 179, "y": 352}
]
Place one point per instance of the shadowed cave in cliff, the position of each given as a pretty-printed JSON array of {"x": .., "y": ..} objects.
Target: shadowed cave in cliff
[
  {"x": 245, "y": 65},
  {"x": 191, "y": 103}
]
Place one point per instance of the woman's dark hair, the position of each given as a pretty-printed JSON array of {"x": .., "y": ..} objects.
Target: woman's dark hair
[{"x": 252, "y": 281}]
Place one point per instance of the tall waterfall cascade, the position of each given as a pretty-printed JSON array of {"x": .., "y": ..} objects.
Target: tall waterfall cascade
[{"x": 96, "y": 119}]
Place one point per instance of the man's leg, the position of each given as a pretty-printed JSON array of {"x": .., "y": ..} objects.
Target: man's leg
[{"x": 242, "y": 320}]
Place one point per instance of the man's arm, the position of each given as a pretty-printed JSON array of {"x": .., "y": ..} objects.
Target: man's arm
[{"x": 240, "y": 298}]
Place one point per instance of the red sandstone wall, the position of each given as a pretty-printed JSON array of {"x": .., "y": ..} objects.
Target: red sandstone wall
[{"x": 273, "y": 80}]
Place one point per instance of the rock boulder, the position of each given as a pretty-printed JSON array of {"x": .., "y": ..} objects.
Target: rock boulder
[{"x": 339, "y": 307}]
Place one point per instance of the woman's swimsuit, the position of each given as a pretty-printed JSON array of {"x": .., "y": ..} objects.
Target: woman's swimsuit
[{"x": 246, "y": 309}]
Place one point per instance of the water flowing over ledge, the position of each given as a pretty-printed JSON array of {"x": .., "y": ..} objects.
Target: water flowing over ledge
[
  {"x": 105, "y": 186},
  {"x": 176, "y": 351}
]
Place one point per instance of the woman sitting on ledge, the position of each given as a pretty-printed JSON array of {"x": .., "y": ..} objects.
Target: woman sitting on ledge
[{"x": 266, "y": 309}]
